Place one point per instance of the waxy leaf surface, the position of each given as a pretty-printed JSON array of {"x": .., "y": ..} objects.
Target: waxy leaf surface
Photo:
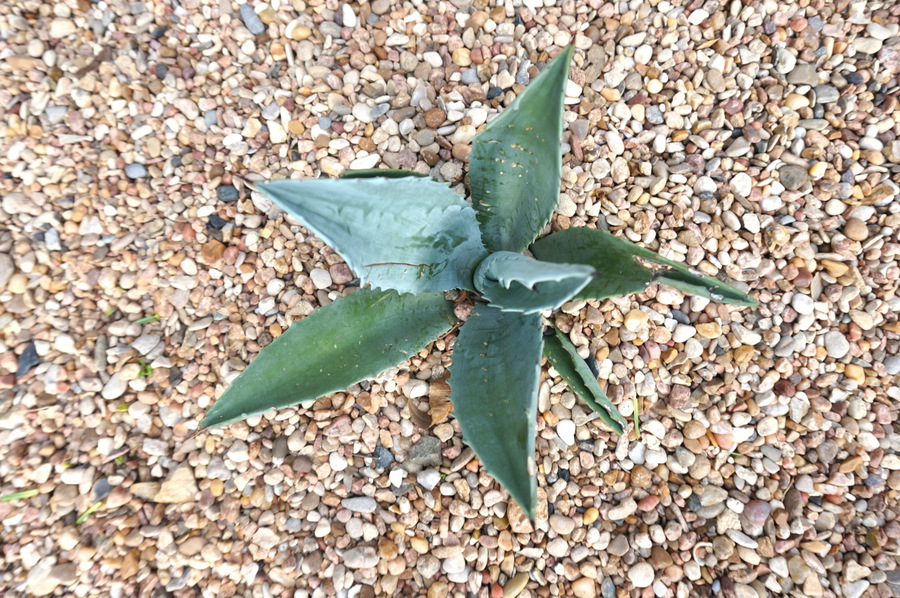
[
  {"x": 515, "y": 164},
  {"x": 411, "y": 234},
  {"x": 494, "y": 382},
  {"x": 513, "y": 282},
  {"x": 563, "y": 356},
  {"x": 352, "y": 339},
  {"x": 619, "y": 273}
]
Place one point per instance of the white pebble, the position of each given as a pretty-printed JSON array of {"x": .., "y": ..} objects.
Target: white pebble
[{"x": 565, "y": 429}]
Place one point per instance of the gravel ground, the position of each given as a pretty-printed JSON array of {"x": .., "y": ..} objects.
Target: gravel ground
[{"x": 138, "y": 276}]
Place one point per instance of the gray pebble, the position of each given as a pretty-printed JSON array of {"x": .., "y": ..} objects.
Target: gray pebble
[
  {"x": 469, "y": 76},
  {"x": 359, "y": 504},
  {"x": 836, "y": 344},
  {"x": 792, "y": 176},
  {"x": 826, "y": 94},
  {"x": 426, "y": 452},
  {"x": 785, "y": 61},
  {"x": 114, "y": 388},
  {"x": 428, "y": 478},
  {"x": 251, "y": 20},
  {"x": 135, "y": 171},
  {"x": 892, "y": 365},
  {"x": 803, "y": 74}
]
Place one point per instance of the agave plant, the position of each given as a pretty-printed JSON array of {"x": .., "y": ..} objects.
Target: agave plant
[{"x": 410, "y": 239}]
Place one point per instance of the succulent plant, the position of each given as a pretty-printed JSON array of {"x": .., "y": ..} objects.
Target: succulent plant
[{"x": 410, "y": 239}]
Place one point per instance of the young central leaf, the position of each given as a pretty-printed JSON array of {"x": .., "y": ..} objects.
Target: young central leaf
[
  {"x": 513, "y": 282},
  {"x": 494, "y": 381},
  {"x": 515, "y": 165},
  {"x": 411, "y": 234}
]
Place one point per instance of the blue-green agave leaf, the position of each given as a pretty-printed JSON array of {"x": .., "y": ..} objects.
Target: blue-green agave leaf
[
  {"x": 515, "y": 164},
  {"x": 513, "y": 282},
  {"x": 493, "y": 388},
  {"x": 411, "y": 234},
  {"x": 352, "y": 339},
  {"x": 370, "y": 173},
  {"x": 619, "y": 273},
  {"x": 563, "y": 356}
]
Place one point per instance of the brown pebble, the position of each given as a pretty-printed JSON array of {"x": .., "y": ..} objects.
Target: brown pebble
[
  {"x": 856, "y": 229},
  {"x": 641, "y": 476},
  {"x": 212, "y": 252},
  {"x": 435, "y": 118}
]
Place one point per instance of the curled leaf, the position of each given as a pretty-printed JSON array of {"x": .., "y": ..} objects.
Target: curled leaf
[{"x": 513, "y": 282}]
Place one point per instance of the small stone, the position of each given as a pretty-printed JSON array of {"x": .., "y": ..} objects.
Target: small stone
[
  {"x": 803, "y": 74},
  {"x": 428, "y": 478},
  {"x": 641, "y": 476},
  {"x": 854, "y": 572},
  {"x": 866, "y": 45},
  {"x": 18, "y": 283},
  {"x": 434, "y": 118},
  {"x": 135, "y": 171},
  {"x": 179, "y": 487},
  {"x": 641, "y": 574},
  {"x": 321, "y": 278},
  {"x": 855, "y": 589},
  {"x": 188, "y": 107},
  {"x": 767, "y": 426},
  {"x": 212, "y": 251},
  {"x": 741, "y": 184},
  {"x": 614, "y": 143},
  {"x": 836, "y": 344},
  {"x": 361, "y": 558},
  {"x": 145, "y": 343},
  {"x": 561, "y": 524},
  {"x": 636, "y": 319},
  {"x": 515, "y": 585},
  {"x": 114, "y": 388},
  {"x": 802, "y": 304},
  {"x": 426, "y": 452},
  {"x": 624, "y": 509},
  {"x": 715, "y": 81},
  {"x": 856, "y": 229},
  {"x": 565, "y": 429},
  {"x": 359, "y": 504},
  {"x": 227, "y": 193},
  {"x": 785, "y": 61},
  {"x": 60, "y": 28},
  {"x": 757, "y": 512},
  {"x": 584, "y": 587},
  {"x": 251, "y": 20},
  {"x": 709, "y": 330},
  {"x": 793, "y": 177}
]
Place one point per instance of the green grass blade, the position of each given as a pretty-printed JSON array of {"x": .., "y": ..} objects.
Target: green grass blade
[
  {"x": 494, "y": 383},
  {"x": 563, "y": 356},
  {"x": 412, "y": 234},
  {"x": 515, "y": 164},
  {"x": 83, "y": 517},
  {"x": 20, "y": 495},
  {"x": 352, "y": 339},
  {"x": 620, "y": 273}
]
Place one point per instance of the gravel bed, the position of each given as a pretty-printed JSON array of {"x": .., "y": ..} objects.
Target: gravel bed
[{"x": 139, "y": 273}]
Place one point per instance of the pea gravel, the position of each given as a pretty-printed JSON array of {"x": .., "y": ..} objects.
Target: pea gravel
[{"x": 139, "y": 274}]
